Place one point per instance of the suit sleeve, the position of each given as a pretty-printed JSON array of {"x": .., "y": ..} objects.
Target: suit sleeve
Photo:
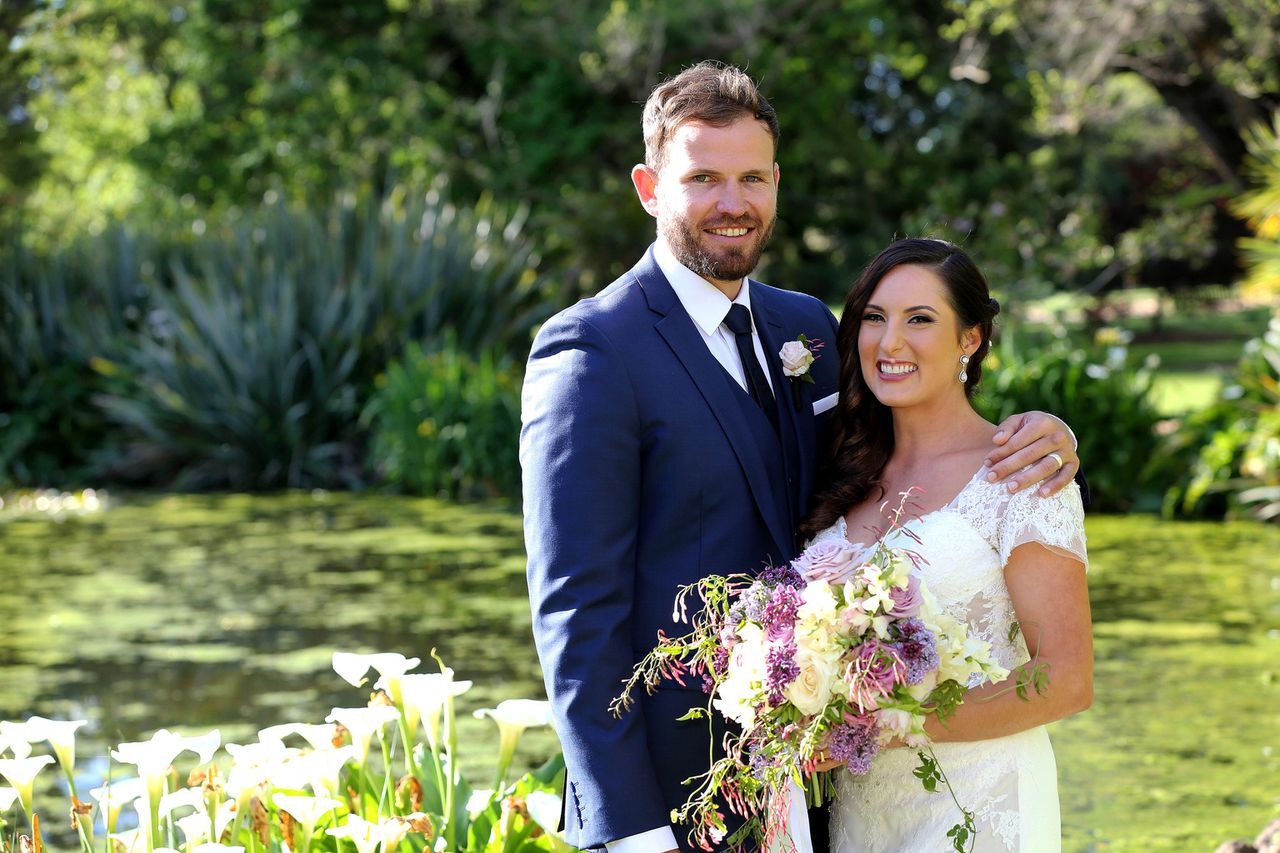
[{"x": 580, "y": 453}]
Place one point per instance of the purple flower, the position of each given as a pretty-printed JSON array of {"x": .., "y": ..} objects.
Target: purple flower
[
  {"x": 780, "y": 670},
  {"x": 778, "y": 618},
  {"x": 875, "y": 670},
  {"x": 752, "y": 602},
  {"x": 906, "y": 600},
  {"x": 784, "y": 575},
  {"x": 918, "y": 649},
  {"x": 831, "y": 560},
  {"x": 854, "y": 743}
]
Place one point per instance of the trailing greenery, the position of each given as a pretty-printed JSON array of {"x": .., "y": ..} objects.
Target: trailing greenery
[
  {"x": 1106, "y": 400},
  {"x": 446, "y": 424},
  {"x": 1233, "y": 448}
]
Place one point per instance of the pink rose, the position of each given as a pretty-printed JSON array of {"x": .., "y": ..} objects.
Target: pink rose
[
  {"x": 906, "y": 600},
  {"x": 831, "y": 560}
]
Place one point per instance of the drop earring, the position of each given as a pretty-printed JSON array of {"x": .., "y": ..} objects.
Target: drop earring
[{"x": 964, "y": 375}]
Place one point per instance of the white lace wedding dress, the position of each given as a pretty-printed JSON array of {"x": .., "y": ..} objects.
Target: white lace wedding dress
[{"x": 1010, "y": 783}]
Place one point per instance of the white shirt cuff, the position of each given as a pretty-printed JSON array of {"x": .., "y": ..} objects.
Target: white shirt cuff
[{"x": 657, "y": 840}]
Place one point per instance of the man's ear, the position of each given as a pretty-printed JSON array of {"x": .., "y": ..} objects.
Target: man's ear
[
  {"x": 777, "y": 176},
  {"x": 645, "y": 180}
]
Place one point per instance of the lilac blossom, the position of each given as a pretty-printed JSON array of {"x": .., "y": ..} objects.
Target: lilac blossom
[
  {"x": 918, "y": 649},
  {"x": 785, "y": 575},
  {"x": 854, "y": 743},
  {"x": 779, "y": 615},
  {"x": 780, "y": 670}
]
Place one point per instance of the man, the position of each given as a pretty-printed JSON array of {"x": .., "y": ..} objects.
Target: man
[{"x": 662, "y": 442}]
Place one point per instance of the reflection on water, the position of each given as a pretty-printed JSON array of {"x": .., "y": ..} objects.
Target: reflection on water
[{"x": 192, "y": 612}]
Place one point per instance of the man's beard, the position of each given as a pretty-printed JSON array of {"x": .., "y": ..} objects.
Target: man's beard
[{"x": 729, "y": 264}]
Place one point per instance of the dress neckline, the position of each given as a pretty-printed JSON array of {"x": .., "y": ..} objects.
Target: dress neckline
[{"x": 949, "y": 505}]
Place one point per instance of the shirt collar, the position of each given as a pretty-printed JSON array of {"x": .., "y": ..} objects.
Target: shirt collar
[{"x": 705, "y": 303}]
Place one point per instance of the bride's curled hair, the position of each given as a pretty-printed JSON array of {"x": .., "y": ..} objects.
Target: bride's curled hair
[{"x": 862, "y": 433}]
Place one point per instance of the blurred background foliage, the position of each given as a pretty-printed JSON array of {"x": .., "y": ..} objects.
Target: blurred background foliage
[{"x": 222, "y": 223}]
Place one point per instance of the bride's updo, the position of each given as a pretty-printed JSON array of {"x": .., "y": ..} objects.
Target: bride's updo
[{"x": 862, "y": 430}]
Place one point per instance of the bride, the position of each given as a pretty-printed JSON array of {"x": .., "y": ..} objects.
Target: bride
[{"x": 915, "y": 330}]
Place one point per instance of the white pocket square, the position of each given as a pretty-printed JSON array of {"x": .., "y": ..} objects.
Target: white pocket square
[{"x": 827, "y": 402}]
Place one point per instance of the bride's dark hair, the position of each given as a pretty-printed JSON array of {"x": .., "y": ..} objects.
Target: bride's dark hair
[{"x": 862, "y": 435}]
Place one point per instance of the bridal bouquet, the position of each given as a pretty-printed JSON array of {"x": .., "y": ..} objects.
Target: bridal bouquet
[{"x": 827, "y": 658}]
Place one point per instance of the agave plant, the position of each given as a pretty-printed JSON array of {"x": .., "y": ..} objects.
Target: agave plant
[{"x": 266, "y": 348}]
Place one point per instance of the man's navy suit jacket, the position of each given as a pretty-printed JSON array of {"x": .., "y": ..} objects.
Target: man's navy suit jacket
[{"x": 641, "y": 474}]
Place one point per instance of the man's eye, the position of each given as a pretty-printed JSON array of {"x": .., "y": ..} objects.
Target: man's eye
[{"x": 701, "y": 179}]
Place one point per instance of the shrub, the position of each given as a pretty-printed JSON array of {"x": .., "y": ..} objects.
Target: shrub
[
  {"x": 447, "y": 424},
  {"x": 59, "y": 316},
  {"x": 266, "y": 346},
  {"x": 1106, "y": 400},
  {"x": 1235, "y": 445}
]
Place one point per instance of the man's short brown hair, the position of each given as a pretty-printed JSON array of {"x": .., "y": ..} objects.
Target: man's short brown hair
[{"x": 710, "y": 92}]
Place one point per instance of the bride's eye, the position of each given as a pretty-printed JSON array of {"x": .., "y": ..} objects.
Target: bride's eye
[{"x": 871, "y": 317}]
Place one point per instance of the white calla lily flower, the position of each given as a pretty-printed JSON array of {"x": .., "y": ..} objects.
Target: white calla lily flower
[
  {"x": 322, "y": 768},
  {"x": 192, "y": 797},
  {"x": 307, "y": 811},
  {"x": 544, "y": 808},
  {"x": 129, "y": 841},
  {"x": 514, "y": 716},
  {"x": 61, "y": 735},
  {"x": 195, "y": 828},
  {"x": 363, "y": 723},
  {"x": 153, "y": 757},
  {"x": 390, "y": 666},
  {"x": 21, "y": 774},
  {"x": 115, "y": 796},
  {"x": 13, "y": 738},
  {"x": 364, "y": 835},
  {"x": 214, "y": 848},
  {"x": 425, "y": 695},
  {"x": 8, "y": 796}
]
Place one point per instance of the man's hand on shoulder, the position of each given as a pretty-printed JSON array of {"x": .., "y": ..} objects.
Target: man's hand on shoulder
[{"x": 1037, "y": 439}]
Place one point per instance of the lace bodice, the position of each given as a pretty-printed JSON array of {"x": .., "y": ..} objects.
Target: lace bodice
[{"x": 965, "y": 546}]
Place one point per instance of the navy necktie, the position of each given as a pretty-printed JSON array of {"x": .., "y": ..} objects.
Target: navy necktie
[{"x": 739, "y": 322}]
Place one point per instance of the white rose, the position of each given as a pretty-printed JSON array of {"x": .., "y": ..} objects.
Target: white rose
[
  {"x": 811, "y": 690},
  {"x": 796, "y": 358}
]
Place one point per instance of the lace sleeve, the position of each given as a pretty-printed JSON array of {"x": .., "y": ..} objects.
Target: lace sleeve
[{"x": 1057, "y": 522}]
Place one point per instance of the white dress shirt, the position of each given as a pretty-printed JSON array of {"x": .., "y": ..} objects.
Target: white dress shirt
[{"x": 707, "y": 305}]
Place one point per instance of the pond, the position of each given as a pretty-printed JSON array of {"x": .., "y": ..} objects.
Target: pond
[{"x": 194, "y": 612}]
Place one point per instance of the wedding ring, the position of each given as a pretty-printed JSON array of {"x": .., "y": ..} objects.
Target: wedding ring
[{"x": 1056, "y": 458}]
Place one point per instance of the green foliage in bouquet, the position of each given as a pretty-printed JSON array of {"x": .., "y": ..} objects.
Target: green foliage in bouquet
[
  {"x": 1233, "y": 448},
  {"x": 444, "y": 423},
  {"x": 1105, "y": 398}
]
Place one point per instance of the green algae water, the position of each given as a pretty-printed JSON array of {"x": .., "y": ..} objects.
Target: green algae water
[{"x": 195, "y": 612}]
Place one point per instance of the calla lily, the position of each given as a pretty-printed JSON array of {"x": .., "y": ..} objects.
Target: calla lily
[
  {"x": 363, "y": 723},
  {"x": 195, "y": 828},
  {"x": 129, "y": 841},
  {"x": 7, "y": 798},
  {"x": 153, "y": 757},
  {"x": 514, "y": 716},
  {"x": 191, "y": 797},
  {"x": 307, "y": 811},
  {"x": 61, "y": 735},
  {"x": 115, "y": 796},
  {"x": 13, "y": 738},
  {"x": 544, "y": 808},
  {"x": 364, "y": 835},
  {"x": 425, "y": 695},
  {"x": 479, "y": 800},
  {"x": 319, "y": 736},
  {"x": 213, "y": 848},
  {"x": 321, "y": 769},
  {"x": 390, "y": 666},
  {"x": 21, "y": 774}
]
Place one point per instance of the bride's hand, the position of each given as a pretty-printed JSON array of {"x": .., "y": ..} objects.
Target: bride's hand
[{"x": 1034, "y": 437}]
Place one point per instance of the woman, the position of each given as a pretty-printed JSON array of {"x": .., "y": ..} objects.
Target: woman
[{"x": 914, "y": 333}]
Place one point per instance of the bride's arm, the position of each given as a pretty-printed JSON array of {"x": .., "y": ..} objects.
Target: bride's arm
[{"x": 1052, "y": 604}]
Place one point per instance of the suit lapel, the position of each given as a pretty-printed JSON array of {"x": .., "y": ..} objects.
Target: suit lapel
[
  {"x": 797, "y": 435},
  {"x": 677, "y": 329}
]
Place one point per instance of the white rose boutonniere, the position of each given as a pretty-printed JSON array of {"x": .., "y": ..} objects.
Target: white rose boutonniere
[{"x": 797, "y": 356}]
